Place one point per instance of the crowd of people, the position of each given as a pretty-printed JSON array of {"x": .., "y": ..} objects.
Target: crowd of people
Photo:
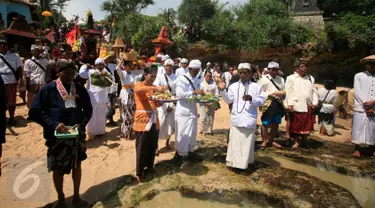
[{"x": 63, "y": 93}]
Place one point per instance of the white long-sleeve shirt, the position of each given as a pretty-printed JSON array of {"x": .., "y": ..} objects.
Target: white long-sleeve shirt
[
  {"x": 244, "y": 113},
  {"x": 161, "y": 81},
  {"x": 268, "y": 87},
  {"x": 364, "y": 90},
  {"x": 301, "y": 92},
  {"x": 184, "y": 90},
  {"x": 330, "y": 102},
  {"x": 181, "y": 71}
]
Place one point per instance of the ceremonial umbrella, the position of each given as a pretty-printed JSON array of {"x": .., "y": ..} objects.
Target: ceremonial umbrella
[{"x": 47, "y": 14}]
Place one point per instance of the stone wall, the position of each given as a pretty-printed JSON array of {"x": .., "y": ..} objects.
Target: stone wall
[{"x": 315, "y": 22}]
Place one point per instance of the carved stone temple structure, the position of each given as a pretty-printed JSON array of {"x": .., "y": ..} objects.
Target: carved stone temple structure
[{"x": 307, "y": 13}]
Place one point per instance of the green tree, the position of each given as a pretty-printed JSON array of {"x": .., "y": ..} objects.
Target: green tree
[
  {"x": 192, "y": 13},
  {"x": 344, "y": 6},
  {"x": 120, "y": 8}
]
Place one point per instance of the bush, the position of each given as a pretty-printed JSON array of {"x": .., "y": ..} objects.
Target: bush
[{"x": 352, "y": 31}]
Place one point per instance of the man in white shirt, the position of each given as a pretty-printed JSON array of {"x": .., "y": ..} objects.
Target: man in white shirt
[
  {"x": 363, "y": 131},
  {"x": 10, "y": 69},
  {"x": 167, "y": 110},
  {"x": 188, "y": 85},
  {"x": 99, "y": 98},
  {"x": 184, "y": 67},
  {"x": 35, "y": 73},
  {"x": 161, "y": 69},
  {"x": 273, "y": 110},
  {"x": 302, "y": 97},
  {"x": 246, "y": 97},
  {"x": 227, "y": 76}
]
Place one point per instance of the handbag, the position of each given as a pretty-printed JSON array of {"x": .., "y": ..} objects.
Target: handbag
[{"x": 320, "y": 104}]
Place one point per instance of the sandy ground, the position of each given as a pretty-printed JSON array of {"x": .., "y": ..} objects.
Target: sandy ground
[{"x": 109, "y": 158}]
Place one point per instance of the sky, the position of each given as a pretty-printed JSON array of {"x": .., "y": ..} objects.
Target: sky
[{"x": 80, "y": 7}]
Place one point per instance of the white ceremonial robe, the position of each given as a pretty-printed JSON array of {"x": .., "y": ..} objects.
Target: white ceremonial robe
[
  {"x": 99, "y": 99},
  {"x": 363, "y": 131},
  {"x": 243, "y": 122},
  {"x": 166, "y": 119},
  {"x": 186, "y": 115}
]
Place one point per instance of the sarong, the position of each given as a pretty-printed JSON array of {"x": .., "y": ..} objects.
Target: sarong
[
  {"x": 167, "y": 122},
  {"x": 207, "y": 116},
  {"x": 11, "y": 94},
  {"x": 186, "y": 134},
  {"x": 302, "y": 123},
  {"x": 146, "y": 144},
  {"x": 241, "y": 147},
  {"x": 127, "y": 116},
  {"x": 327, "y": 120},
  {"x": 65, "y": 154},
  {"x": 34, "y": 89},
  {"x": 363, "y": 129},
  {"x": 97, "y": 123}
]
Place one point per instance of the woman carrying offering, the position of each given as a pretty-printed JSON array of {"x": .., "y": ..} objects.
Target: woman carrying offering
[
  {"x": 127, "y": 106},
  {"x": 146, "y": 122},
  {"x": 207, "y": 110}
]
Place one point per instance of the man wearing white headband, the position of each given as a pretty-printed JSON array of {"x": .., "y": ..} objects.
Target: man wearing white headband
[
  {"x": 188, "y": 86},
  {"x": 184, "y": 67},
  {"x": 98, "y": 87},
  {"x": 35, "y": 73},
  {"x": 274, "y": 89},
  {"x": 246, "y": 97},
  {"x": 161, "y": 70},
  {"x": 167, "y": 110}
]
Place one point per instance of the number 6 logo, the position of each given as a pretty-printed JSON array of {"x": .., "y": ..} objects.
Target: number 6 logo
[{"x": 23, "y": 177}]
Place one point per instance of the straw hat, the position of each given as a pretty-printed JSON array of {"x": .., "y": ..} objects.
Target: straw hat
[
  {"x": 368, "y": 59},
  {"x": 118, "y": 43}
]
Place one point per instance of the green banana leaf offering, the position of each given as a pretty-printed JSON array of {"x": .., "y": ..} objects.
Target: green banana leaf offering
[{"x": 101, "y": 80}]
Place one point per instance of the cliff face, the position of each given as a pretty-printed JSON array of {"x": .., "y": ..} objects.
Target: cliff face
[{"x": 338, "y": 66}]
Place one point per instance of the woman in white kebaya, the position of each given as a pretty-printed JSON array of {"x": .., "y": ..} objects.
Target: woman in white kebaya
[{"x": 207, "y": 110}]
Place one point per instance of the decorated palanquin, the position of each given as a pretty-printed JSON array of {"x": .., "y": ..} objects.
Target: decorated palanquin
[
  {"x": 90, "y": 48},
  {"x": 161, "y": 40}
]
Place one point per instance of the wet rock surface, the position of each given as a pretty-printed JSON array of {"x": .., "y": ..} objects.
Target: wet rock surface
[
  {"x": 332, "y": 156},
  {"x": 205, "y": 177}
]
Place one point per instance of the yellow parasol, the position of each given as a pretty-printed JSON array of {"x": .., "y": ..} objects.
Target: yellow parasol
[{"x": 47, "y": 14}]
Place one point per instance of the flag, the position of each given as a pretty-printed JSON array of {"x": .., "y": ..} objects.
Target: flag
[
  {"x": 71, "y": 36},
  {"x": 50, "y": 37}
]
